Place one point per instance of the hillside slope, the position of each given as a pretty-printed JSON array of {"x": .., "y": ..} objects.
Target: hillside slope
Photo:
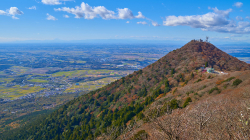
[
  {"x": 217, "y": 108},
  {"x": 170, "y": 80}
]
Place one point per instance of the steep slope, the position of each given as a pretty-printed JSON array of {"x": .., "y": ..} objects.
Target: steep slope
[
  {"x": 129, "y": 98},
  {"x": 217, "y": 108}
]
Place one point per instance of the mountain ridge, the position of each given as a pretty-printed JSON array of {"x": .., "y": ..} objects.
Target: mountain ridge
[{"x": 130, "y": 98}]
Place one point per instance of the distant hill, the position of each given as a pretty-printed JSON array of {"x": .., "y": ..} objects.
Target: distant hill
[{"x": 130, "y": 107}]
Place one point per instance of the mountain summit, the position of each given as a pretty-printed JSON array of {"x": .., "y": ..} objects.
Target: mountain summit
[
  {"x": 195, "y": 54},
  {"x": 129, "y": 108}
]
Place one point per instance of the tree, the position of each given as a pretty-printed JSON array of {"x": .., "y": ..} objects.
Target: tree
[
  {"x": 172, "y": 71},
  {"x": 187, "y": 102},
  {"x": 237, "y": 82},
  {"x": 192, "y": 75},
  {"x": 206, "y": 64}
]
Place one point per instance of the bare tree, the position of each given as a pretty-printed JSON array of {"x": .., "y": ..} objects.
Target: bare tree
[{"x": 170, "y": 126}]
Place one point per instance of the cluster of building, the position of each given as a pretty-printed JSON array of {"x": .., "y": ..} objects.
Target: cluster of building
[{"x": 207, "y": 69}]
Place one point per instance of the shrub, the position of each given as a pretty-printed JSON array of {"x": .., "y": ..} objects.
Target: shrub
[
  {"x": 174, "y": 90},
  {"x": 192, "y": 75},
  {"x": 237, "y": 82},
  {"x": 141, "y": 135},
  {"x": 204, "y": 86},
  {"x": 209, "y": 77},
  {"x": 198, "y": 81},
  {"x": 225, "y": 86},
  {"x": 172, "y": 71},
  {"x": 187, "y": 102},
  {"x": 229, "y": 79},
  {"x": 213, "y": 89},
  {"x": 166, "y": 90},
  {"x": 206, "y": 64},
  {"x": 174, "y": 104},
  {"x": 140, "y": 115}
]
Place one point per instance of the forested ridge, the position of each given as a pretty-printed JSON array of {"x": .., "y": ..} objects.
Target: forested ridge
[{"x": 130, "y": 100}]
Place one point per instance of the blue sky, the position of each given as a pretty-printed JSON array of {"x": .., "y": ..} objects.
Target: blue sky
[{"x": 225, "y": 21}]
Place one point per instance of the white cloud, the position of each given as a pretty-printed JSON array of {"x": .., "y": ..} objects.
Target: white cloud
[
  {"x": 2, "y": 12},
  {"x": 196, "y": 21},
  {"x": 155, "y": 23},
  {"x": 240, "y": 18},
  {"x": 32, "y": 8},
  {"x": 51, "y": 2},
  {"x": 238, "y": 4},
  {"x": 13, "y": 11},
  {"x": 248, "y": 17},
  {"x": 49, "y": 17},
  {"x": 142, "y": 22},
  {"x": 127, "y": 22},
  {"x": 222, "y": 12},
  {"x": 213, "y": 21},
  {"x": 88, "y": 12},
  {"x": 125, "y": 13},
  {"x": 140, "y": 15},
  {"x": 66, "y": 16}
]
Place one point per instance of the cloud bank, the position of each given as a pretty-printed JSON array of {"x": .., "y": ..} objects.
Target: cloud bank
[
  {"x": 217, "y": 21},
  {"x": 13, "y": 11},
  {"x": 87, "y": 12},
  {"x": 51, "y": 2}
]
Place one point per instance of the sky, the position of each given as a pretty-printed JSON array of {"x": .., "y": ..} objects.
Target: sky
[{"x": 178, "y": 20}]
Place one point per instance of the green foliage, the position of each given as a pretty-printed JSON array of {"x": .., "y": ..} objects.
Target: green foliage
[
  {"x": 209, "y": 77},
  {"x": 198, "y": 81},
  {"x": 174, "y": 104},
  {"x": 175, "y": 90},
  {"x": 187, "y": 102},
  {"x": 172, "y": 71},
  {"x": 140, "y": 115},
  {"x": 213, "y": 89},
  {"x": 225, "y": 86},
  {"x": 166, "y": 90},
  {"x": 229, "y": 79},
  {"x": 237, "y": 82},
  {"x": 157, "y": 93},
  {"x": 140, "y": 135},
  {"x": 166, "y": 83},
  {"x": 180, "y": 78},
  {"x": 192, "y": 75},
  {"x": 96, "y": 103},
  {"x": 142, "y": 92},
  {"x": 206, "y": 64}
]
